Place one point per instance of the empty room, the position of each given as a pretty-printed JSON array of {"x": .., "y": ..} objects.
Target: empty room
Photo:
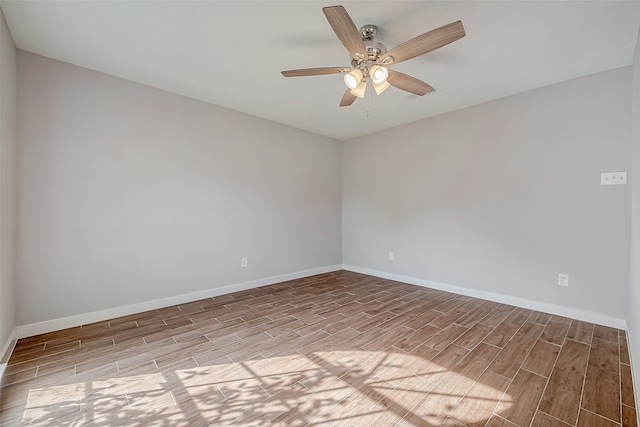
[{"x": 292, "y": 213}]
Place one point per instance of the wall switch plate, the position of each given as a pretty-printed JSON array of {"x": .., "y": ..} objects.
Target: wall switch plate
[
  {"x": 613, "y": 178},
  {"x": 563, "y": 279},
  {"x": 391, "y": 256},
  {"x": 244, "y": 262}
]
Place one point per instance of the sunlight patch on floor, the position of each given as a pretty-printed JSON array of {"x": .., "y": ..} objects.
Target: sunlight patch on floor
[{"x": 322, "y": 388}]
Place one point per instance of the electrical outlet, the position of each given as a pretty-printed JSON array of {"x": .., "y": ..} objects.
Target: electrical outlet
[
  {"x": 244, "y": 262},
  {"x": 563, "y": 279},
  {"x": 613, "y": 178},
  {"x": 391, "y": 256}
]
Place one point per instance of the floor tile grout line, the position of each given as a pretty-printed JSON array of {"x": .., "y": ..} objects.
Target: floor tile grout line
[
  {"x": 525, "y": 359},
  {"x": 514, "y": 376},
  {"x": 586, "y": 369},
  {"x": 480, "y": 375},
  {"x": 602, "y": 416}
]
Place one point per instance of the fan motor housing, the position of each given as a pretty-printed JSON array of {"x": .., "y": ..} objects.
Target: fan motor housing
[{"x": 374, "y": 48}]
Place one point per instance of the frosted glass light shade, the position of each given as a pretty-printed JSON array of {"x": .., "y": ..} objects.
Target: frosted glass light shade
[
  {"x": 360, "y": 90},
  {"x": 379, "y": 88},
  {"x": 353, "y": 78},
  {"x": 378, "y": 74}
]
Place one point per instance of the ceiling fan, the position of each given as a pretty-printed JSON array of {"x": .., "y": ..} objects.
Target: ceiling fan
[{"x": 370, "y": 59}]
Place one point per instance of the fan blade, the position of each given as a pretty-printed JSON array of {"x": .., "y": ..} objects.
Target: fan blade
[
  {"x": 408, "y": 83},
  {"x": 346, "y": 30},
  {"x": 314, "y": 71},
  {"x": 347, "y": 98},
  {"x": 426, "y": 42}
]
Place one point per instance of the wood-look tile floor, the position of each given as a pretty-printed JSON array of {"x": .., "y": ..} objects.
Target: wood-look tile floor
[{"x": 340, "y": 349}]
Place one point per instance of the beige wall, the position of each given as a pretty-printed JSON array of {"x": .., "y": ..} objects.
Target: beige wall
[
  {"x": 130, "y": 194},
  {"x": 8, "y": 137},
  {"x": 501, "y": 197}
]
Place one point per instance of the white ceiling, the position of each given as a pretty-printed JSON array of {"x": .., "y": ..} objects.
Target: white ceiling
[{"x": 230, "y": 53}]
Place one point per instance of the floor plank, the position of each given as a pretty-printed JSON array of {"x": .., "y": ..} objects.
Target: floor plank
[
  {"x": 602, "y": 393},
  {"x": 562, "y": 396},
  {"x": 520, "y": 401},
  {"x": 542, "y": 358}
]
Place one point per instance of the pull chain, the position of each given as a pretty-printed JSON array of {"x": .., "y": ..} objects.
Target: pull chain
[{"x": 369, "y": 88}]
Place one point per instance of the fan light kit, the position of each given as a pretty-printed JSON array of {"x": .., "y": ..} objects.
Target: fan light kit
[{"x": 370, "y": 59}]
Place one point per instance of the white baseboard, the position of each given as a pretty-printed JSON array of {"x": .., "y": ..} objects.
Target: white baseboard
[
  {"x": 574, "y": 313},
  {"x": 7, "y": 350},
  {"x": 635, "y": 374},
  {"x": 111, "y": 313},
  {"x": 97, "y": 316}
]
